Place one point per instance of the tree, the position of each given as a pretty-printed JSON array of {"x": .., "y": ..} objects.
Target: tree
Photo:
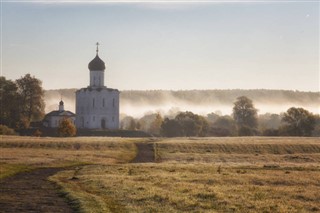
[
  {"x": 31, "y": 98},
  {"x": 224, "y": 126},
  {"x": 192, "y": 124},
  {"x": 171, "y": 128},
  {"x": 66, "y": 128},
  {"x": 155, "y": 125},
  {"x": 245, "y": 115},
  {"x": 9, "y": 99},
  {"x": 185, "y": 124},
  {"x": 129, "y": 123},
  {"x": 298, "y": 122}
]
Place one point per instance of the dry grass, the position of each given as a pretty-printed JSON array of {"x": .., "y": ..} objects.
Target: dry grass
[
  {"x": 170, "y": 187},
  {"x": 45, "y": 152},
  {"x": 242, "y": 151},
  {"x": 192, "y": 175},
  {"x": 7, "y": 170}
]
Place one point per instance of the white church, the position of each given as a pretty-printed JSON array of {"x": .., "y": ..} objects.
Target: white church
[{"x": 97, "y": 106}]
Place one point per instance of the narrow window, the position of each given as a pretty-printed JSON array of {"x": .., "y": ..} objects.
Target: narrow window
[
  {"x": 113, "y": 102},
  {"x": 93, "y": 103},
  {"x": 93, "y": 118},
  {"x": 113, "y": 119},
  {"x": 103, "y": 103}
]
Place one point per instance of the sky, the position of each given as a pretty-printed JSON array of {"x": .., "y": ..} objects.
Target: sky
[{"x": 148, "y": 45}]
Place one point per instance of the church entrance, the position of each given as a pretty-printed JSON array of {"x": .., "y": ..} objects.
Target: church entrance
[{"x": 103, "y": 123}]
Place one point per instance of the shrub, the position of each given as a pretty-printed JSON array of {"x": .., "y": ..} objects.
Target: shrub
[
  {"x": 66, "y": 128},
  {"x": 247, "y": 131},
  {"x": 37, "y": 133},
  {"x": 270, "y": 132},
  {"x": 4, "y": 130}
]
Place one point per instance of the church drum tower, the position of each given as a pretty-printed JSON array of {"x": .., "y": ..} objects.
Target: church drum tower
[{"x": 97, "y": 107}]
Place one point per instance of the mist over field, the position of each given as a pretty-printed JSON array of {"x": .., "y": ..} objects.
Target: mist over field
[{"x": 137, "y": 103}]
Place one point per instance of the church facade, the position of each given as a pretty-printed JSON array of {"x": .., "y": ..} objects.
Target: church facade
[
  {"x": 97, "y": 106},
  {"x": 53, "y": 118}
]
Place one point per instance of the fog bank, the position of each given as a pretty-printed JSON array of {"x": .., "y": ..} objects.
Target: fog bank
[{"x": 138, "y": 103}]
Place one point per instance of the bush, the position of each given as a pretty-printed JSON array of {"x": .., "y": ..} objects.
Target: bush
[
  {"x": 270, "y": 132},
  {"x": 4, "y": 130},
  {"x": 37, "y": 133},
  {"x": 66, "y": 128},
  {"x": 219, "y": 132},
  {"x": 247, "y": 131}
]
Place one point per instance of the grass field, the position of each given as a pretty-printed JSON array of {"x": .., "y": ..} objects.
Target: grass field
[{"x": 254, "y": 174}]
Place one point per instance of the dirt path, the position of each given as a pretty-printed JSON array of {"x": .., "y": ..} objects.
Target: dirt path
[
  {"x": 145, "y": 153},
  {"x": 32, "y": 192}
]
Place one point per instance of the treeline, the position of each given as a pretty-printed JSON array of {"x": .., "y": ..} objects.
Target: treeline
[
  {"x": 244, "y": 121},
  {"x": 22, "y": 102}
]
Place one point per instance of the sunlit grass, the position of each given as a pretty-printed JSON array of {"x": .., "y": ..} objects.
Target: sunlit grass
[
  {"x": 241, "y": 151},
  {"x": 7, "y": 170},
  {"x": 170, "y": 187},
  {"x": 61, "y": 152},
  {"x": 255, "y": 174}
]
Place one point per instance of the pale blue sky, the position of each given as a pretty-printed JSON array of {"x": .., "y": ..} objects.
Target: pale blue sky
[{"x": 218, "y": 45}]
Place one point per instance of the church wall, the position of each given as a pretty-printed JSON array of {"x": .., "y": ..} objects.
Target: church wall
[
  {"x": 55, "y": 120},
  {"x": 95, "y": 105}
]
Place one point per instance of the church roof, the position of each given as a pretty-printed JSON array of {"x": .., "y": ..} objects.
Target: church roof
[
  {"x": 96, "y": 64},
  {"x": 60, "y": 113}
]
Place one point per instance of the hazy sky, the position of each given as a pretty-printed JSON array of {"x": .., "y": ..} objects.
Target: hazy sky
[{"x": 182, "y": 45}]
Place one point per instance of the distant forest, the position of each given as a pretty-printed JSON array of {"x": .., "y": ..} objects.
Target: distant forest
[{"x": 275, "y": 100}]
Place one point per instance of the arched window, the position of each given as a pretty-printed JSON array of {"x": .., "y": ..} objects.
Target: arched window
[
  {"x": 103, "y": 103},
  {"x": 113, "y": 102},
  {"x": 93, "y": 103}
]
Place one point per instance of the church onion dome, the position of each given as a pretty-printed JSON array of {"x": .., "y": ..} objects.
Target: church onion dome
[
  {"x": 61, "y": 102},
  {"x": 96, "y": 64}
]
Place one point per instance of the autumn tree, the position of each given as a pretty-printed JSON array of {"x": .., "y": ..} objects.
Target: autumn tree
[
  {"x": 245, "y": 115},
  {"x": 66, "y": 128},
  {"x": 155, "y": 125},
  {"x": 9, "y": 99},
  {"x": 298, "y": 122},
  {"x": 31, "y": 98}
]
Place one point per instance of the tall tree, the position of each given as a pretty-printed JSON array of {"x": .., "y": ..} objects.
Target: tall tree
[
  {"x": 9, "y": 97},
  {"x": 245, "y": 115},
  {"x": 155, "y": 125},
  {"x": 31, "y": 93},
  {"x": 298, "y": 122}
]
